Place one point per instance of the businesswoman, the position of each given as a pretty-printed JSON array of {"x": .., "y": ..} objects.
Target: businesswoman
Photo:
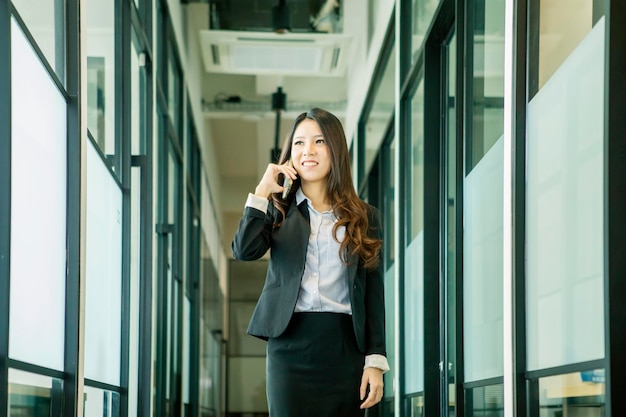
[{"x": 322, "y": 306}]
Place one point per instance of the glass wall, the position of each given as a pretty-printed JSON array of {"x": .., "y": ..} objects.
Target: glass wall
[{"x": 565, "y": 207}]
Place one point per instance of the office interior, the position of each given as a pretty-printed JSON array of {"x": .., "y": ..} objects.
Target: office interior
[{"x": 488, "y": 132}]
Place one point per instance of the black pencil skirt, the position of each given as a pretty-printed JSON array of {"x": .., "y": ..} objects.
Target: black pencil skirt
[{"x": 314, "y": 368}]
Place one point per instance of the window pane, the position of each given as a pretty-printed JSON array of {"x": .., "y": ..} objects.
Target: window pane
[
  {"x": 577, "y": 394},
  {"x": 483, "y": 198},
  {"x": 45, "y": 20},
  {"x": 137, "y": 82},
  {"x": 565, "y": 211},
  {"x": 100, "y": 45},
  {"x": 423, "y": 12},
  {"x": 380, "y": 115},
  {"x": 34, "y": 395},
  {"x": 104, "y": 270},
  {"x": 414, "y": 254},
  {"x": 563, "y": 25},
  {"x": 488, "y": 79},
  {"x": 38, "y": 210},
  {"x": 486, "y": 401},
  {"x": 100, "y": 403}
]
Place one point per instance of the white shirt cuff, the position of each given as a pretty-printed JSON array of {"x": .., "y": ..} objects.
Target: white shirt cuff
[
  {"x": 257, "y": 202},
  {"x": 376, "y": 361}
]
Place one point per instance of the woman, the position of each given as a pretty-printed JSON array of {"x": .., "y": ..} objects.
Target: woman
[{"x": 322, "y": 305}]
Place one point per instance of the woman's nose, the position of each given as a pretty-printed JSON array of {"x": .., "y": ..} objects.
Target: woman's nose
[{"x": 308, "y": 149}]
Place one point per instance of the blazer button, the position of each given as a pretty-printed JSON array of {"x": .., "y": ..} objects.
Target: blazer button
[{"x": 355, "y": 286}]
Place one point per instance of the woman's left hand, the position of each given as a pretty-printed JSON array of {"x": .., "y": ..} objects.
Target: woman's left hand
[{"x": 374, "y": 378}]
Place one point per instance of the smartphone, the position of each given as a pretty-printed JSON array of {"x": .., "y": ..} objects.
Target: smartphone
[{"x": 287, "y": 183}]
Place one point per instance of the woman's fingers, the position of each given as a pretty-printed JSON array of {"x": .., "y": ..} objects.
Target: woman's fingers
[
  {"x": 269, "y": 183},
  {"x": 373, "y": 378}
]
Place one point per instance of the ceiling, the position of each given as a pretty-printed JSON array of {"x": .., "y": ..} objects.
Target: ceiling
[{"x": 237, "y": 107}]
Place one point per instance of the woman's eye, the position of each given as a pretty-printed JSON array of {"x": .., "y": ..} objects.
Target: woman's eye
[
  {"x": 320, "y": 141},
  {"x": 298, "y": 142}
]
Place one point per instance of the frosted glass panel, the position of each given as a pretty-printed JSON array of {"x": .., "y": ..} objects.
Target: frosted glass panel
[
  {"x": 135, "y": 277},
  {"x": 482, "y": 266},
  {"x": 414, "y": 316},
  {"x": 565, "y": 211},
  {"x": 38, "y": 210},
  {"x": 104, "y": 271}
]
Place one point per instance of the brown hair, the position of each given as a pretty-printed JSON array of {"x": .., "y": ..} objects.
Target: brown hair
[{"x": 350, "y": 210}]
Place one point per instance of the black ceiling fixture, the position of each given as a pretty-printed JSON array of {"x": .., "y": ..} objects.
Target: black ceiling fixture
[
  {"x": 296, "y": 16},
  {"x": 281, "y": 19},
  {"x": 279, "y": 103}
]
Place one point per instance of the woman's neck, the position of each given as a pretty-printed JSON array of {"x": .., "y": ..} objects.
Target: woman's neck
[{"x": 317, "y": 194}]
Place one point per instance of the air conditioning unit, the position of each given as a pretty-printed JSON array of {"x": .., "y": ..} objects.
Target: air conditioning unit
[{"x": 234, "y": 52}]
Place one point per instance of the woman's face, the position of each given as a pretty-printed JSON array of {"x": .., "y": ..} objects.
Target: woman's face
[{"x": 310, "y": 153}]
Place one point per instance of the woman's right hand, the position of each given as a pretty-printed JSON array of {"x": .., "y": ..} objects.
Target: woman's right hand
[{"x": 269, "y": 183}]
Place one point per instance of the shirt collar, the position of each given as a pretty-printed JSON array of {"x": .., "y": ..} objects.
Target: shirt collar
[{"x": 300, "y": 197}]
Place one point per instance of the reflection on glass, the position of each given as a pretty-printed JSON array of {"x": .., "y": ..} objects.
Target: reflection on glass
[
  {"x": 562, "y": 26},
  {"x": 380, "y": 116},
  {"x": 579, "y": 394},
  {"x": 416, "y": 406},
  {"x": 173, "y": 86},
  {"x": 99, "y": 402},
  {"x": 38, "y": 210},
  {"x": 488, "y": 79},
  {"x": 565, "y": 210},
  {"x": 32, "y": 395},
  {"x": 486, "y": 401},
  {"x": 423, "y": 12},
  {"x": 100, "y": 43},
  {"x": 45, "y": 20},
  {"x": 414, "y": 254}
]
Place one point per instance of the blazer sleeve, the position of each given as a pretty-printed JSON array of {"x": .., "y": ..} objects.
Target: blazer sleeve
[
  {"x": 375, "y": 297},
  {"x": 254, "y": 234}
]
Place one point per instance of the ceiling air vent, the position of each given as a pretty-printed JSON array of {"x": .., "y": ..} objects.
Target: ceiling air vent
[{"x": 235, "y": 52}]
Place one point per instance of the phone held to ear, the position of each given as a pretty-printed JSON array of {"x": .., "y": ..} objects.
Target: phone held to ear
[{"x": 287, "y": 183}]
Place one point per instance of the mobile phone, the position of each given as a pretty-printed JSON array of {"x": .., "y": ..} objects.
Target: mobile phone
[{"x": 287, "y": 183}]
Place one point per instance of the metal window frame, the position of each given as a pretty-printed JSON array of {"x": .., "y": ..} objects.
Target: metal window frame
[
  {"x": 615, "y": 206},
  {"x": 5, "y": 198}
]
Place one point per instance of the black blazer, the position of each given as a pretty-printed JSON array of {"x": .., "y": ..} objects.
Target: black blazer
[{"x": 288, "y": 244}]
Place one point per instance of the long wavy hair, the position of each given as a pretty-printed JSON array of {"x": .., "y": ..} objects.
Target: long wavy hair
[{"x": 350, "y": 210}]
